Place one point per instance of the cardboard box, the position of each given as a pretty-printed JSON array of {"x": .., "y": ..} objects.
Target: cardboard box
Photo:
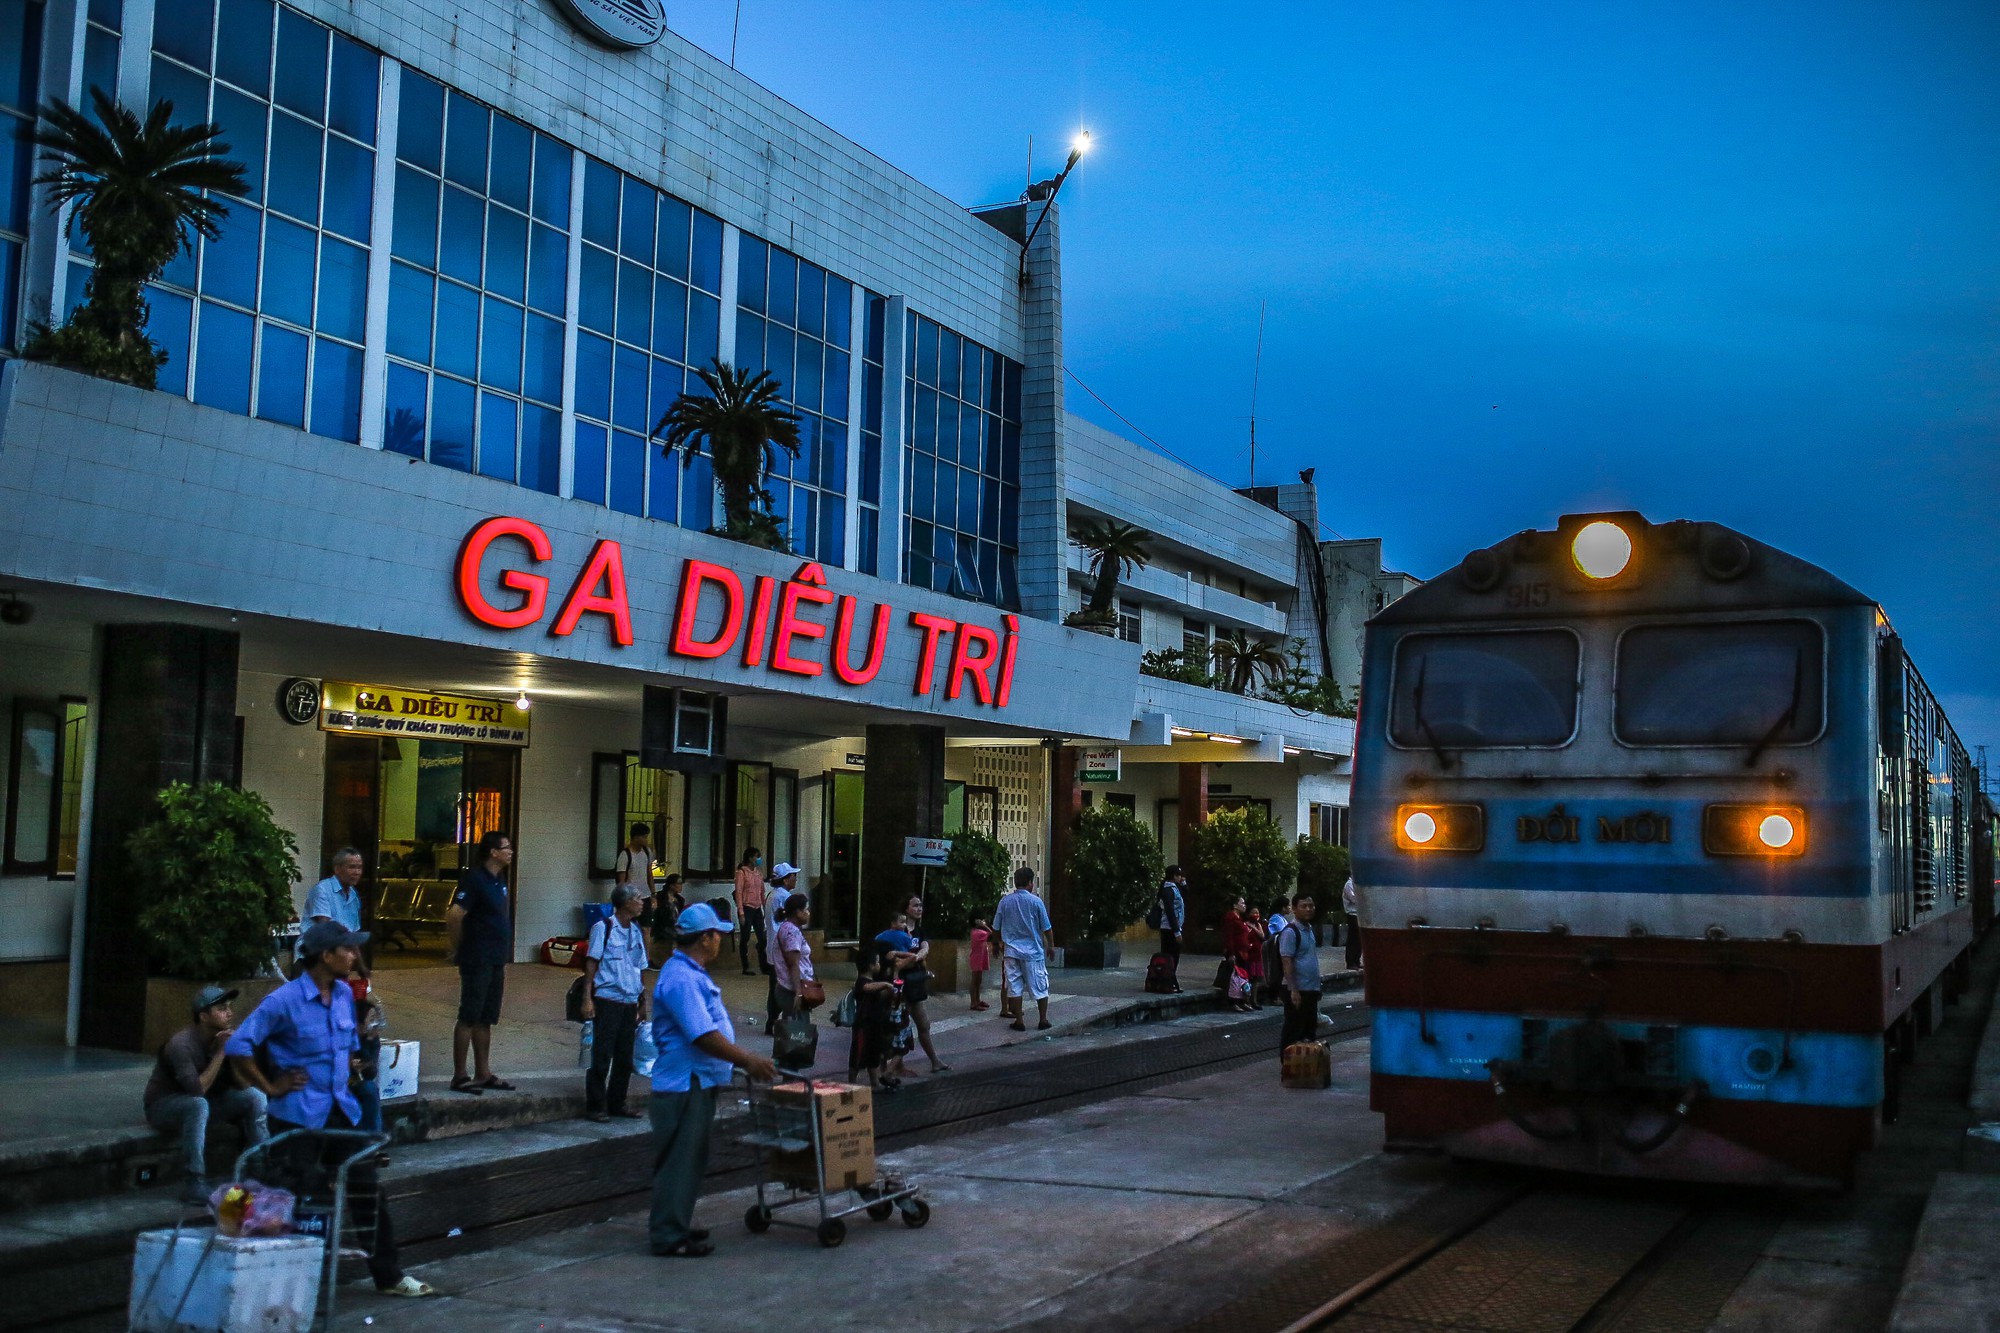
[
  {"x": 396, "y": 1071},
  {"x": 846, "y": 1115}
]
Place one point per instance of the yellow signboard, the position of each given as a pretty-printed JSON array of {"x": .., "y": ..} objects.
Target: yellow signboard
[{"x": 378, "y": 710}]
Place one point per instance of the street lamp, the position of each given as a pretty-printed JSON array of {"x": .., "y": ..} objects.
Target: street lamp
[{"x": 1047, "y": 190}]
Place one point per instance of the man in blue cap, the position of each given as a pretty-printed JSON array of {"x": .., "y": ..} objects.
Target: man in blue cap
[
  {"x": 697, "y": 1052},
  {"x": 312, "y": 1045}
]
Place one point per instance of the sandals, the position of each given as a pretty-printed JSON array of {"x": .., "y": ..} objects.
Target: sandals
[
  {"x": 497, "y": 1084},
  {"x": 409, "y": 1286},
  {"x": 467, "y": 1086},
  {"x": 686, "y": 1249}
]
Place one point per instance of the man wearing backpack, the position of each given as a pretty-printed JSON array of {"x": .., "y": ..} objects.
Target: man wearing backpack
[
  {"x": 1169, "y": 916},
  {"x": 1298, "y": 951}
]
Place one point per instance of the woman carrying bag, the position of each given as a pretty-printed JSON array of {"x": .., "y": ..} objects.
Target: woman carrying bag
[{"x": 796, "y": 1040}]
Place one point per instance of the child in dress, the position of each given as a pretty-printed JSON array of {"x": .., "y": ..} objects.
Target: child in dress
[
  {"x": 874, "y": 1020},
  {"x": 978, "y": 959}
]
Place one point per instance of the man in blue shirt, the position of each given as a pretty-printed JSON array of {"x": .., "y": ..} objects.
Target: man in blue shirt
[
  {"x": 1173, "y": 915},
  {"x": 310, "y": 1042},
  {"x": 697, "y": 1051},
  {"x": 1022, "y": 922},
  {"x": 482, "y": 944}
]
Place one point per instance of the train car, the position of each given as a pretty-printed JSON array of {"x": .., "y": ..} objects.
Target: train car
[{"x": 1664, "y": 853}]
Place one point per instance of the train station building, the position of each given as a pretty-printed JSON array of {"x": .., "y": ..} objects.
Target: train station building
[{"x": 389, "y": 543}]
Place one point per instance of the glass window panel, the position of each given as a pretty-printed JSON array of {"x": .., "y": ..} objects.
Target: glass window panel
[
  {"x": 243, "y": 44},
  {"x": 917, "y": 554},
  {"x": 968, "y": 500},
  {"x": 812, "y": 299},
  {"x": 600, "y": 203},
  {"x": 243, "y": 126},
  {"x": 500, "y": 346},
  {"x": 1010, "y": 516},
  {"x": 588, "y": 481},
  {"x": 597, "y": 290},
  {"x": 666, "y": 387},
  {"x": 669, "y": 318},
  {"x": 836, "y": 385},
  {"x": 698, "y": 493},
  {"x": 1484, "y": 689},
  {"x": 552, "y": 168},
  {"x": 541, "y": 449},
  {"x": 870, "y": 539},
  {"x": 497, "y": 419},
  {"x": 404, "y": 411},
  {"x": 989, "y": 570},
  {"x": 290, "y": 254},
  {"x": 506, "y": 252},
  {"x": 704, "y": 323},
  {"x": 991, "y": 377},
  {"x": 1010, "y": 404},
  {"x": 948, "y": 361},
  {"x": 187, "y": 93},
  {"x": 923, "y": 487},
  {"x": 548, "y": 269},
  {"x": 20, "y": 57},
  {"x": 543, "y": 373},
  {"x": 1010, "y": 590},
  {"x": 1755, "y": 683},
  {"x": 222, "y": 359},
  {"x": 461, "y": 236},
  {"x": 465, "y": 127},
  {"x": 513, "y": 155},
  {"x": 167, "y": 317},
  {"x": 671, "y": 254},
  {"x": 635, "y": 221},
  {"x": 778, "y": 353},
  {"x": 833, "y": 459},
  {"x": 100, "y": 64},
  {"x": 295, "y": 166},
  {"x": 663, "y": 486},
  {"x": 794, "y": 509},
  {"x": 343, "y": 289},
  {"x": 281, "y": 376},
  {"x": 781, "y": 298},
  {"x": 593, "y": 377},
  {"x": 17, "y": 164},
  {"x": 183, "y": 32},
  {"x": 1010, "y": 451},
  {"x": 229, "y": 264},
  {"x": 943, "y": 553},
  {"x": 946, "y": 510},
  {"x": 753, "y": 259},
  {"x": 635, "y": 303},
  {"x": 336, "y": 390},
  {"x": 301, "y": 81},
  {"x": 968, "y": 378},
  {"x": 706, "y": 247},
  {"x": 420, "y": 121},
  {"x": 947, "y": 430},
  {"x": 871, "y": 397},
  {"x": 628, "y": 389},
  {"x": 628, "y": 473},
  {"x": 832, "y": 529},
  {"x": 410, "y": 297},
  {"x": 354, "y": 89},
  {"x": 927, "y": 352},
  {"x": 839, "y": 311},
  {"x": 749, "y": 342},
  {"x": 350, "y": 187},
  {"x": 805, "y": 375},
  {"x": 878, "y": 314},
  {"x": 802, "y": 466},
  {"x": 989, "y": 511},
  {"x": 451, "y": 423},
  {"x": 416, "y": 224},
  {"x": 871, "y": 469},
  {"x": 457, "y": 329},
  {"x": 923, "y": 421}
]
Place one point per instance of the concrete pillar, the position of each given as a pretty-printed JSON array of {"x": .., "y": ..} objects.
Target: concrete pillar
[
  {"x": 166, "y": 713},
  {"x": 1193, "y": 808},
  {"x": 902, "y": 797},
  {"x": 1065, "y": 804},
  {"x": 1044, "y": 497}
]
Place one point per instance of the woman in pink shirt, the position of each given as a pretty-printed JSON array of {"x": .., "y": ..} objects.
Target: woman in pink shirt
[{"x": 749, "y": 907}]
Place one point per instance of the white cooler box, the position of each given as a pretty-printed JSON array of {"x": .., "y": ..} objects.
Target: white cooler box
[
  {"x": 183, "y": 1284},
  {"x": 396, "y": 1072}
]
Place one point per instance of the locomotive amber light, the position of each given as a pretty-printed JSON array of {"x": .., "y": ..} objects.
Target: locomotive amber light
[
  {"x": 1601, "y": 550},
  {"x": 1440, "y": 828},
  {"x": 1754, "y": 830}
]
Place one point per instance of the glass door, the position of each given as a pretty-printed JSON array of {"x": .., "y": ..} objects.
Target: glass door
[{"x": 837, "y": 893}]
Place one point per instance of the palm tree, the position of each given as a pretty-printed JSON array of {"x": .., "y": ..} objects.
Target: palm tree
[
  {"x": 742, "y": 422},
  {"x": 1116, "y": 549},
  {"x": 142, "y": 191},
  {"x": 1240, "y": 659}
]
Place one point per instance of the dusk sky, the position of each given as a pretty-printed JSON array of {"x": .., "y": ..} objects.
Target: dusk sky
[{"x": 1717, "y": 261}]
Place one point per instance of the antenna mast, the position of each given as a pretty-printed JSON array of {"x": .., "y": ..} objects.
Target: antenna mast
[{"x": 1256, "y": 375}]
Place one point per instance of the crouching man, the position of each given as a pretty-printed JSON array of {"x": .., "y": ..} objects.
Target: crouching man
[{"x": 192, "y": 1084}]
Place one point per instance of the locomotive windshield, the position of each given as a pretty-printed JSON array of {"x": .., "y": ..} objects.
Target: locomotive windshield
[
  {"x": 1474, "y": 691},
  {"x": 1753, "y": 684}
]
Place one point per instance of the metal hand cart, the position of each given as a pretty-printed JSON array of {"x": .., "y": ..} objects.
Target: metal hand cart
[
  {"x": 791, "y": 1171},
  {"x": 298, "y": 1160}
]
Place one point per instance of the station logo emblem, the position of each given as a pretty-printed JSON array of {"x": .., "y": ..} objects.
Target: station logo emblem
[{"x": 625, "y": 25}]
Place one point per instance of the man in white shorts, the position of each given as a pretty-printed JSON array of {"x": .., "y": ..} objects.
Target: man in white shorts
[{"x": 1022, "y": 922}]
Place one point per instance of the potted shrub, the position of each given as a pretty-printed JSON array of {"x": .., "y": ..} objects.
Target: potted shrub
[
  {"x": 1116, "y": 549},
  {"x": 220, "y": 872},
  {"x": 1114, "y": 872},
  {"x": 969, "y": 885},
  {"x": 1238, "y": 853}
]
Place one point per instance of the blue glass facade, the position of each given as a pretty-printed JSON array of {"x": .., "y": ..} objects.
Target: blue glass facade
[
  {"x": 795, "y": 320},
  {"x": 962, "y": 466},
  {"x": 269, "y": 319},
  {"x": 20, "y": 83}
]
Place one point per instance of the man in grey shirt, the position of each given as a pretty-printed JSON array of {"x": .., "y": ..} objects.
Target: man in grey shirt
[
  {"x": 192, "y": 1081},
  {"x": 1298, "y": 953}
]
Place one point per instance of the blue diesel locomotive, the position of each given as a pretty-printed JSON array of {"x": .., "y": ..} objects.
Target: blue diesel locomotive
[{"x": 1665, "y": 857}]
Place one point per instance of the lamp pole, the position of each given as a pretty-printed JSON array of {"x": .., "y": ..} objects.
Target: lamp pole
[{"x": 1053, "y": 186}]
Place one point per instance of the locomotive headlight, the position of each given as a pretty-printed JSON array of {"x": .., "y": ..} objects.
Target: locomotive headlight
[
  {"x": 1440, "y": 828},
  {"x": 1754, "y": 830},
  {"x": 1601, "y": 549}
]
